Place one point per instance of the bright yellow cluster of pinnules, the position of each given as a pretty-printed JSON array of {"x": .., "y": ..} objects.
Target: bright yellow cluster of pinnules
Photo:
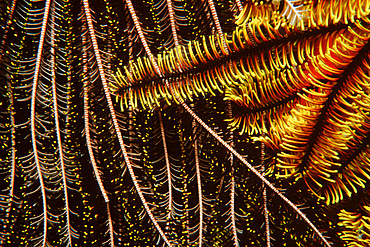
[
  {"x": 309, "y": 81},
  {"x": 199, "y": 67},
  {"x": 357, "y": 227}
]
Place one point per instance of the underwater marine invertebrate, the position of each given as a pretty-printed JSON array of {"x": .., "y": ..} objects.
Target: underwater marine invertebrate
[{"x": 80, "y": 169}]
